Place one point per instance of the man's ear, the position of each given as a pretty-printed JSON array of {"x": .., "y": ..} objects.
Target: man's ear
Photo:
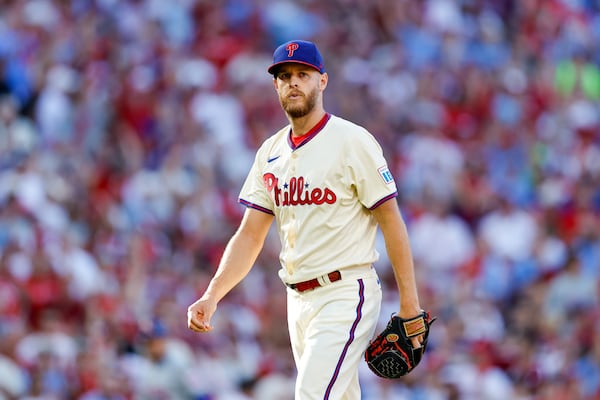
[{"x": 323, "y": 80}]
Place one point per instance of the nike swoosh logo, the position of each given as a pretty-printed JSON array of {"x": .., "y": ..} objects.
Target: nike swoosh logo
[{"x": 273, "y": 159}]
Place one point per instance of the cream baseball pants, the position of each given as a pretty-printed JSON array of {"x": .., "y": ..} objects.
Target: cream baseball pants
[{"x": 330, "y": 327}]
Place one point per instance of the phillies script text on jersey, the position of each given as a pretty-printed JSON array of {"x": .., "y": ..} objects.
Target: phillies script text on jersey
[{"x": 296, "y": 192}]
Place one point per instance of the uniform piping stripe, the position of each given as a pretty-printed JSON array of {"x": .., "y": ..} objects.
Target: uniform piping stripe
[
  {"x": 255, "y": 206},
  {"x": 380, "y": 202},
  {"x": 361, "y": 301},
  {"x": 310, "y": 134}
]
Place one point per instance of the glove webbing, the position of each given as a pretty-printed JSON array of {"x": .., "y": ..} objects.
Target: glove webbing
[{"x": 393, "y": 365}]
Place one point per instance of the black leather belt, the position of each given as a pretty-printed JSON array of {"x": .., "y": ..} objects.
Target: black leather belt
[{"x": 316, "y": 282}]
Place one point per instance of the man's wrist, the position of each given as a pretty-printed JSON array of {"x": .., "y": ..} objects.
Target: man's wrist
[{"x": 410, "y": 311}]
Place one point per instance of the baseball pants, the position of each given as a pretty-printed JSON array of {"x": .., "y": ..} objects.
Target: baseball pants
[{"x": 330, "y": 327}]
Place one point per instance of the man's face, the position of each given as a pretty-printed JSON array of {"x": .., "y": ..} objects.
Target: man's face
[{"x": 299, "y": 88}]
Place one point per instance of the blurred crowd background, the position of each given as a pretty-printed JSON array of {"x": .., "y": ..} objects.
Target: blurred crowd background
[{"x": 127, "y": 127}]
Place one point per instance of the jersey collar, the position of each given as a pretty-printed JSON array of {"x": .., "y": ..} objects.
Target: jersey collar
[{"x": 310, "y": 134}]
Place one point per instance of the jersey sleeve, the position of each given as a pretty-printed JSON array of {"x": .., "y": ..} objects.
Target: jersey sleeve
[
  {"x": 372, "y": 178},
  {"x": 253, "y": 193}
]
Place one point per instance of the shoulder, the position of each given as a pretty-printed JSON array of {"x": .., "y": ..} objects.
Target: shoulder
[
  {"x": 352, "y": 133},
  {"x": 342, "y": 123},
  {"x": 277, "y": 136},
  {"x": 277, "y": 139},
  {"x": 350, "y": 129}
]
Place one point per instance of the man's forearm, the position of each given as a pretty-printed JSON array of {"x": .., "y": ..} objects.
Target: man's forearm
[
  {"x": 237, "y": 260},
  {"x": 398, "y": 249},
  {"x": 401, "y": 258}
]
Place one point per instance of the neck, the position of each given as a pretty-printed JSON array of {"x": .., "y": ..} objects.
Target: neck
[{"x": 300, "y": 126}]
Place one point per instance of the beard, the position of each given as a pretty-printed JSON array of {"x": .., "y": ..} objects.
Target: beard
[{"x": 299, "y": 109}]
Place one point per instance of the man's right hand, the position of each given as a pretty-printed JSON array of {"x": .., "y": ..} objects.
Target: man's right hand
[{"x": 199, "y": 315}]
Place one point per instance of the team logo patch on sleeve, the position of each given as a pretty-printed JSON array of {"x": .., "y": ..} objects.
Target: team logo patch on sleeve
[{"x": 385, "y": 174}]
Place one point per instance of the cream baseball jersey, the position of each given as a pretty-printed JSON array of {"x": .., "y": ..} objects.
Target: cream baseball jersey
[{"x": 317, "y": 192}]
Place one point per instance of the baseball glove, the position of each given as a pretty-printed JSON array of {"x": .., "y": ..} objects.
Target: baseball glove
[{"x": 391, "y": 354}]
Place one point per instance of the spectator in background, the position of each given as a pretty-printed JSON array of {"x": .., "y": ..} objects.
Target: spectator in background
[
  {"x": 13, "y": 378},
  {"x": 508, "y": 231},
  {"x": 432, "y": 162},
  {"x": 438, "y": 228},
  {"x": 54, "y": 111},
  {"x": 571, "y": 289},
  {"x": 18, "y": 135},
  {"x": 587, "y": 367},
  {"x": 160, "y": 371}
]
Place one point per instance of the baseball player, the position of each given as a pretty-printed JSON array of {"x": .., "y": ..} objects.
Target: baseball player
[{"x": 326, "y": 184}]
